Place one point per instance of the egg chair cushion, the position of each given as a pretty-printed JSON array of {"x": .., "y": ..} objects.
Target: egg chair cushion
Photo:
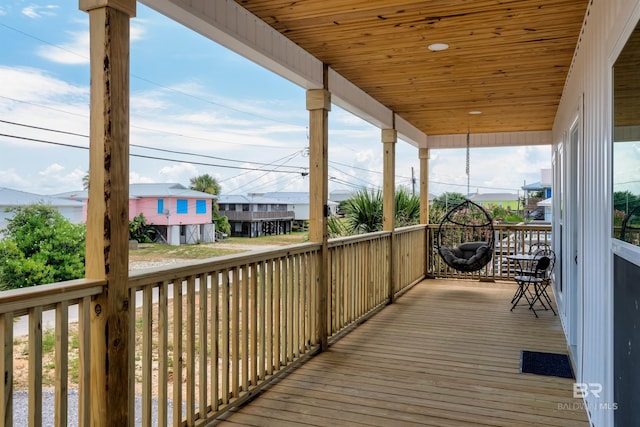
[{"x": 468, "y": 257}]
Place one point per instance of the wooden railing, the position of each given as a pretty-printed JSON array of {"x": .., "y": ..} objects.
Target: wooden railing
[
  {"x": 207, "y": 335},
  {"x": 210, "y": 334},
  {"x": 509, "y": 240},
  {"x": 33, "y": 302},
  {"x": 358, "y": 273},
  {"x": 410, "y": 256}
]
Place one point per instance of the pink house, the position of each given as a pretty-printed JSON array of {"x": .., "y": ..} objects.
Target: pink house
[{"x": 180, "y": 215}]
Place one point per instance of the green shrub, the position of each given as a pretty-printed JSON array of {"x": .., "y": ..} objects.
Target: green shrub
[{"x": 40, "y": 246}]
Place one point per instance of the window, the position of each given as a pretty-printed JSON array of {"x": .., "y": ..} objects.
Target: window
[
  {"x": 201, "y": 206},
  {"x": 182, "y": 206},
  {"x": 262, "y": 208},
  {"x": 626, "y": 142},
  {"x": 161, "y": 206},
  {"x": 245, "y": 208}
]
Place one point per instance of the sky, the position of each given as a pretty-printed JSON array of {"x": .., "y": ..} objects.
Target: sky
[{"x": 203, "y": 109}]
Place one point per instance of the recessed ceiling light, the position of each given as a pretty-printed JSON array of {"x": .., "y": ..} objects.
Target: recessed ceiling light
[
  {"x": 475, "y": 113},
  {"x": 435, "y": 47}
]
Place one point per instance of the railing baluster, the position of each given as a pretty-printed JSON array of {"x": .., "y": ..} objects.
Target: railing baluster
[
  {"x": 245, "y": 327},
  {"x": 84, "y": 362},
  {"x": 163, "y": 363},
  {"x": 203, "y": 313},
  {"x": 62, "y": 363},
  {"x": 263, "y": 321},
  {"x": 235, "y": 334},
  {"x": 276, "y": 283},
  {"x": 295, "y": 302},
  {"x": 177, "y": 352},
  {"x": 6, "y": 366},
  {"x": 284, "y": 286},
  {"x": 147, "y": 329},
  {"x": 191, "y": 349},
  {"x": 225, "y": 335},
  {"x": 269, "y": 316},
  {"x": 131, "y": 350},
  {"x": 215, "y": 339},
  {"x": 254, "y": 332},
  {"x": 35, "y": 366}
]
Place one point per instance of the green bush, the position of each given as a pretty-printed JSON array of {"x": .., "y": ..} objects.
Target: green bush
[{"x": 40, "y": 246}]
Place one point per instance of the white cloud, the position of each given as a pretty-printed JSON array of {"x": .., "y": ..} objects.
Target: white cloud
[
  {"x": 3, "y": 11},
  {"x": 136, "y": 178},
  {"x": 56, "y": 173},
  {"x": 38, "y": 11},
  {"x": 53, "y": 179},
  {"x": 10, "y": 178},
  {"x": 137, "y": 30},
  {"x": 75, "y": 51},
  {"x": 37, "y": 86},
  {"x": 180, "y": 172}
]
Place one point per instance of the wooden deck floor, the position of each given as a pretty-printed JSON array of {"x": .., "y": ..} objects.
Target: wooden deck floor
[{"x": 446, "y": 354}]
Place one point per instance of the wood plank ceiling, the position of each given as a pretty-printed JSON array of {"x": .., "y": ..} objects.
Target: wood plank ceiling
[{"x": 507, "y": 59}]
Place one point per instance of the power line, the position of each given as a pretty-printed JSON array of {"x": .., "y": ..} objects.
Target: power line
[
  {"x": 357, "y": 187},
  {"x": 264, "y": 174},
  {"x": 288, "y": 157},
  {"x": 151, "y": 157},
  {"x": 197, "y": 138},
  {"x": 164, "y": 150}
]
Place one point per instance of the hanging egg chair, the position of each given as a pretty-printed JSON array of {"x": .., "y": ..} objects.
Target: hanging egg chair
[{"x": 465, "y": 237}]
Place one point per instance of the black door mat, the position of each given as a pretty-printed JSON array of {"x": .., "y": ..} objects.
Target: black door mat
[{"x": 549, "y": 364}]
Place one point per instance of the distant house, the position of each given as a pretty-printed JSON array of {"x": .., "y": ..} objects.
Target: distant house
[
  {"x": 298, "y": 202},
  {"x": 256, "y": 215},
  {"x": 9, "y": 199},
  {"x": 546, "y": 205},
  {"x": 537, "y": 192},
  {"x": 179, "y": 215},
  {"x": 509, "y": 201}
]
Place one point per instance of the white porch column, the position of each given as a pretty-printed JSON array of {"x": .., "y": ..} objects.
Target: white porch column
[
  {"x": 107, "y": 254},
  {"x": 389, "y": 140},
  {"x": 319, "y": 105}
]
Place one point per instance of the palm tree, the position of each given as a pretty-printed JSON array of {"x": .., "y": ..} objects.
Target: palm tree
[
  {"x": 85, "y": 181},
  {"x": 363, "y": 212},
  {"x": 207, "y": 184},
  {"x": 407, "y": 209}
]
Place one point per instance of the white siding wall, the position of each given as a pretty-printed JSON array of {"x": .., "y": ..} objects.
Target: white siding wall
[{"x": 608, "y": 24}]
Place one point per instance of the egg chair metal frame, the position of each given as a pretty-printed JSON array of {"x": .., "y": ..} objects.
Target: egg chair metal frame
[{"x": 465, "y": 237}]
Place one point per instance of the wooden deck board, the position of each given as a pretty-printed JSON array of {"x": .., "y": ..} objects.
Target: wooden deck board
[{"x": 445, "y": 354}]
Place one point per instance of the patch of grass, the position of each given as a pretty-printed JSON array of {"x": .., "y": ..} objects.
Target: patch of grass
[
  {"x": 48, "y": 341},
  {"x": 280, "y": 239},
  {"x": 159, "y": 251}
]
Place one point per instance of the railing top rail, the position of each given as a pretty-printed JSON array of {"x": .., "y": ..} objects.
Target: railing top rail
[
  {"x": 192, "y": 268},
  {"x": 338, "y": 241},
  {"x": 409, "y": 228},
  {"x": 519, "y": 226},
  {"x": 20, "y": 300}
]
